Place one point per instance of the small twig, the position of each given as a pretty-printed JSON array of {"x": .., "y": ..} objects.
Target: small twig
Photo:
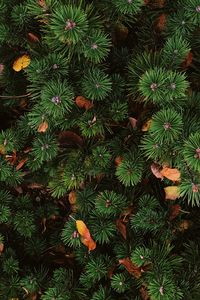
[{"x": 13, "y": 97}]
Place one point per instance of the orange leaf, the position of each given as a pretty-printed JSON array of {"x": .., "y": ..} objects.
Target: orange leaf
[
  {"x": 172, "y": 192},
  {"x": 21, "y": 163},
  {"x": 133, "y": 122},
  {"x": 171, "y": 174},
  {"x": 174, "y": 211},
  {"x": 43, "y": 127},
  {"x": 83, "y": 102},
  {"x": 130, "y": 267},
  {"x": 155, "y": 169},
  {"x": 146, "y": 126},
  {"x": 86, "y": 238},
  {"x": 72, "y": 197},
  {"x": 42, "y": 3},
  {"x": 121, "y": 226},
  {"x": 21, "y": 62}
]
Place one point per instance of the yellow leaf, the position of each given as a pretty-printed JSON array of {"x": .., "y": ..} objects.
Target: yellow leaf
[
  {"x": 171, "y": 174},
  {"x": 146, "y": 125},
  {"x": 172, "y": 192},
  {"x": 21, "y": 62},
  {"x": 86, "y": 238}
]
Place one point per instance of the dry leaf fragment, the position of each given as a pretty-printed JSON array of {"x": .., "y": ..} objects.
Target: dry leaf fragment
[
  {"x": 172, "y": 192},
  {"x": 21, "y": 62},
  {"x": 86, "y": 238},
  {"x": 171, "y": 174},
  {"x": 72, "y": 197},
  {"x": 174, "y": 211},
  {"x": 155, "y": 169},
  {"x": 121, "y": 226},
  {"x": 118, "y": 160},
  {"x": 146, "y": 126},
  {"x": 1, "y": 248},
  {"x": 32, "y": 37},
  {"x": 184, "y": 225},
  {"x": 130, "y": 267},
  {"x": 70, "y": 138},
  {"x": 162, "y": 22},
  {"x": 21, "y": 163},
  {"x": 188, "y": 60},
  {"x": 133, "y": 122},
  {"x": 82, "y": 102},
  {"x": 35, "y": 185},
  {"x": 43, "y": 127}
]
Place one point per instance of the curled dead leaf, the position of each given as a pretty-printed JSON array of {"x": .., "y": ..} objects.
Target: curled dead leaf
[
  {"x": 118, "y": 160},
  {"x": 133, "y": 122},
  {"x": 72, "y": 197},
  {"x": 155, "y": 169},
  {"x": 174, "y": 211},
  {"x": 70, "y": 138}
]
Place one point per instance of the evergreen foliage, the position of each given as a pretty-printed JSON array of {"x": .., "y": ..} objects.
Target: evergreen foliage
[{"x": 99, "y": 150}]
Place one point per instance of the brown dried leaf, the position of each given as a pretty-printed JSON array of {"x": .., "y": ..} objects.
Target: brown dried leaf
[
  {"x": 155, "y": 169},
  {"x": 32, "y": 37},
  {"x": 162, "y": 19},
  {"x": 1, "y": 248},
  {"x": 121, "y": 226},
  {"x": 174, "y": 211},
  {"x": 130, "y": 267},
  {"x": 35, "y": 185},
  {"x": 118, "y": 160},
  {"x": 82, "y": 102},
  {"x": 21, "y": 163},
  {"x": 70, "y": 138},
  {"x": 133, "y": 122}
]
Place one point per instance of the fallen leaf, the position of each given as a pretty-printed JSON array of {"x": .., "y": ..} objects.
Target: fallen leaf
[
  {"x": 32, "y": 37},
  {"x": 21, "y": 163},
  {"x": 174, "y": 211},
  {"x": 172, "y": 192},
  {"x": 35, "y": 185},
  {"x": 21, "y": 62},
  {"x": 82, "y": 102},
  {"x": 12, "y": 158},
  {"x": 146, "y": 126},
  {"x": 184, "y": 225},
  {"x": 72, "y": 197},
  {"x": 121, "y": 226},
  {"x": 162, "y": 19},
  {"x": 133, "y": 122},
  {"x": 2, "y": 149},
  {"x": 42, "y": 3},
  {"x": 144, "y": 293},
  {"x": 1, "y": 248},
  {"x": 18, "y": 189},
  {"x": 84, "y": 232},
  {"x": 70, "y": 138},
  {"x": 130, "y": 267},
  {"x": 171, "y": 174},
  {"x": 155, "y": 169},
  {"x": 118, "y": 160},
  {"x": 43, "y": 127},
  {"x": 188, "y": 60}
]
